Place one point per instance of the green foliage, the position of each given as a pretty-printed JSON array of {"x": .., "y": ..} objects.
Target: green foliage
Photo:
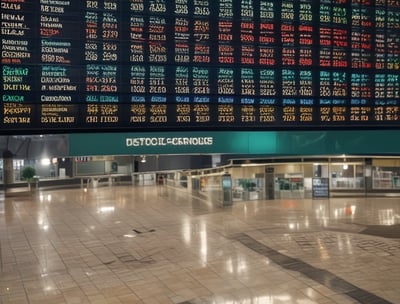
[
  {"x": 28, "y": 173},
  {"x": 247, "y": 184}
]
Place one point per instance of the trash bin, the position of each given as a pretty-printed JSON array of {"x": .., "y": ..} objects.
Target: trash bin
[
  {"x": 226, "y": 190},
  {"x": 95, "y": 182},
  {"x": 36, "y": 181}
]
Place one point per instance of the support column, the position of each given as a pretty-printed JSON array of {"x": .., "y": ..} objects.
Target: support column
[
  {"x": 269, "y": 183},
  {"x": 8, "y": 169}
]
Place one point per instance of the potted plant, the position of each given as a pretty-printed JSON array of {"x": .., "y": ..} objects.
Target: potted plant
[{"x": 28, "y": 173}]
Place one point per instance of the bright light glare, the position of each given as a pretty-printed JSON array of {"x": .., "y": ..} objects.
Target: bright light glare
[
  {"x": 45, "y": 161},
  {"x": 106, "y": 209}
]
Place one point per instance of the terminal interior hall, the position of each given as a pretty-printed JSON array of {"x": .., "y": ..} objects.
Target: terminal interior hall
[
  {"x": 197, "y": 228},
  {"x": 200, "y": 152}
]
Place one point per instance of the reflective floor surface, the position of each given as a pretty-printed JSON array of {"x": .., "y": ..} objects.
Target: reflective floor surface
[{"x": 156, "y": 244}]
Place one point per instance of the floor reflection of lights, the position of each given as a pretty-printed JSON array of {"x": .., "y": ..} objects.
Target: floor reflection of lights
[{"x": 72, "y": 244}]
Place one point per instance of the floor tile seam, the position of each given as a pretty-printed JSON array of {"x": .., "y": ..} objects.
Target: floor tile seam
[
  {"x": 310, "y": 271},
  {"x": 189, "y": 273}
]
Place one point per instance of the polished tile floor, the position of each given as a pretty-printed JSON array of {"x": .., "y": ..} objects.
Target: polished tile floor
[{"x": 157, "y": 244}]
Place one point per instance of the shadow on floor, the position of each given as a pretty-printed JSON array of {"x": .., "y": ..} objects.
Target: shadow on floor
[{"x": 392, "y": 232}]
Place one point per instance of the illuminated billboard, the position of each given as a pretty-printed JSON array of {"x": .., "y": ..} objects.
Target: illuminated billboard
[{"x": 73, "y": 66}]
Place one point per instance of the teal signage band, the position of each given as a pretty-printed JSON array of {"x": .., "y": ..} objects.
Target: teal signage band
[
  {"x": 170, "y": 143},
  {"x": 376, "y": 142}
]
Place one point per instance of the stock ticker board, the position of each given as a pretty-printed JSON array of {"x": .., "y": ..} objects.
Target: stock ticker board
[{"x": 72, "y": 65}]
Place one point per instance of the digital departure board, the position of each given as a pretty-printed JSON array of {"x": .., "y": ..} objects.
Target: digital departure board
[{"x": 72, "y": 66}]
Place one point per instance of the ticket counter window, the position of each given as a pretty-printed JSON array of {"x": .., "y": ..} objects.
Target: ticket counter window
[
  {"x": 247, "y": 189},
  {"x": 386, "y": 178},
  {"x": 290, "y": 186},
  {"x": 347, "y": 176}
]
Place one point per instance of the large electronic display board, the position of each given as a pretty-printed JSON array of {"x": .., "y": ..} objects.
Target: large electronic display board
[{"x": 73, "y": 65}]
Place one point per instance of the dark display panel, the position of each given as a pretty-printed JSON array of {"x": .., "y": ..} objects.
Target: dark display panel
[{"x": 70, "y": 65}]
